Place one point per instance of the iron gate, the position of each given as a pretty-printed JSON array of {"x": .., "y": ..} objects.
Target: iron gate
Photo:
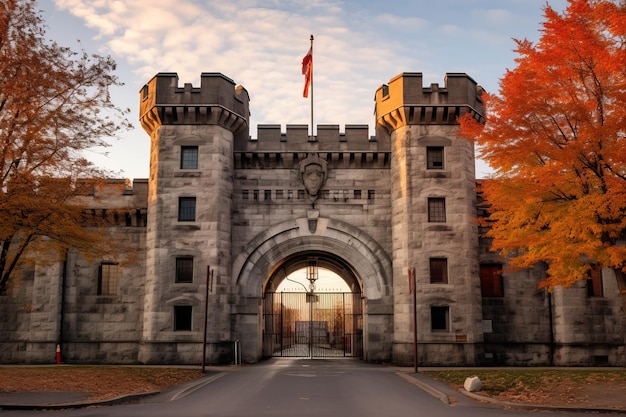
[{"x": 312, "y": 325}]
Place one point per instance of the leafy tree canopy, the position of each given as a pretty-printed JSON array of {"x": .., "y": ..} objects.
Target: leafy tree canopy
[
  {"x": 556, "y": 138},
  {"x": 54, "y": 104}
]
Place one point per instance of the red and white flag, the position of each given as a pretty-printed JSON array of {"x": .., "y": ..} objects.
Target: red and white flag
[{"x": 307, "y": 71}]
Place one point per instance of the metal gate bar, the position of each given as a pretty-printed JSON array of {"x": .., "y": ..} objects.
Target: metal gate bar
[{"x": 312, "y": 325}]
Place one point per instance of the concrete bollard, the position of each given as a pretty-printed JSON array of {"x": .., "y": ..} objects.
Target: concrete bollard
[{"x": 472, "y": 384}]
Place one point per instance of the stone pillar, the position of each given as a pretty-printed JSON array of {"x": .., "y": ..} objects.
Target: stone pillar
[
  {"x": 421, "y": 121},
  {"x": 192, "y": 132}
]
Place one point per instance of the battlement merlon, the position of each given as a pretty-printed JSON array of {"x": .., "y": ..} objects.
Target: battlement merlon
[
  {"x": 404, "y": 101},
  {"x": 296, "y": 138},
  {"x": 216, "y": 102}
]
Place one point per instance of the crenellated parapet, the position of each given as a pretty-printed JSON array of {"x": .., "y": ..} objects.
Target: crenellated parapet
[
  {"x": 404, "y": 101},
  {"x": 296, "y": 138},
  {"x": 216, "y": 102},
  {"x": 273, "y": 148}
]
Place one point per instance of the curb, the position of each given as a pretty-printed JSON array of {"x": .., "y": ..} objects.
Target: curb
[
  {"x": 425, "y": 387},
  {"x": 82, "y": 404},
  {"x": 507, "y": 404}
]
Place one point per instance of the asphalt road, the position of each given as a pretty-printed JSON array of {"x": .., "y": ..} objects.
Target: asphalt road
[{"x": 296, "y": 388}]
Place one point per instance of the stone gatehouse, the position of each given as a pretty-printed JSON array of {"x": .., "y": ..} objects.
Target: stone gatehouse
[{"x": 224, "y": 218}]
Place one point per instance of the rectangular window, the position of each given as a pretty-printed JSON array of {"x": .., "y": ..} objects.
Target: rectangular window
[
  {"x": 491, "y": 280},
  {"x": 244, "y": 194},
  {"x": 371, "y": 194},
  {"x": 182, "y": 318},
  {"x": 439, "y": 318},
  {"x": 594, "y": 282},
  {"x": 188, "y": 157},
  {"x": 279, "y": 194},
  {"x": 255, "y": 195},
  {"x": 184, "y": 269},
  {"x": 108, "y": 277},
  {"x": 357, "y": 194},
  {"x": 267, "y": 195},
  {"x": 436, "y": 210},
  {"x": 434, "y": 157},
  {"x": 187, "y": 209},
  {"x": 438, "y": 271},
  {"x": 300, "y": 194}
]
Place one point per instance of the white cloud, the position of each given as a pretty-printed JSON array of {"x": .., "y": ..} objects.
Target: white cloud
[
  {"x": 412, "y": 24},
  {"x": 359, "y": 45}
]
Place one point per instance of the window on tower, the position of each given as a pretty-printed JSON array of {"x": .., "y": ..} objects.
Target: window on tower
[
  {"x": 438, "y": 271},
  {"x": 188, "y": 157},
  {"x": 182, "y": 318},
  {"x": 440, "y": 318},
  {"x": 184, "y": 269},
  {"x": 187, "y": 209},
  {"x": 436, "y": 210},
  {"x": 434, "y": 157}
]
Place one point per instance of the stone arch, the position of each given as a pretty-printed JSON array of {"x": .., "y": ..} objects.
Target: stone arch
[{"x": 261, "y": 256}]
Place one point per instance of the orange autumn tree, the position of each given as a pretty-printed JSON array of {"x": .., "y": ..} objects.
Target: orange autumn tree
[
  {"x": 54, "y": 104},
  {"x": 556, "y": 138}
]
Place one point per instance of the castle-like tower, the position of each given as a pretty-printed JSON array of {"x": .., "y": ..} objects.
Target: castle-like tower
[
  {"x": 433, "y": 201},
  {"x": 192, "y": 132}
]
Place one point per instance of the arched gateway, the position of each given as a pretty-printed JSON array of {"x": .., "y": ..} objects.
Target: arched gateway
[{"x": 350, "y": 253}]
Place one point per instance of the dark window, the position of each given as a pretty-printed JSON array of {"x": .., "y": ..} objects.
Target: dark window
[
  {"x": 182, "y": 318},
  {"x": 187, "y": 209},
  {"x": 594, "y": 282},
  {"x": 144, "y": 92},
  {"x": 371, "y": 194},
  {"x": 438, "y": 271},
  {"x": 189, "y": 157},
  {"x": 244, "y": 194},
  {"x": 436, "y": 210},
  {"x": 267, "y": 195},
  {"x": 184, "y": 269},
  {"x": 491, "y": 280},
  {"x": 439, "y": 318},
  {"x": 255, "y": 194},
  {"x": 434, "y": 157},
  {"x": 357, "y": 194},
  {"x": 300, "y": 194},
  {"x": 108, "y": 276}
]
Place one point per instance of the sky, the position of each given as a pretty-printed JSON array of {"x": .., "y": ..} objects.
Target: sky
[{"x": 259, "y": 44}]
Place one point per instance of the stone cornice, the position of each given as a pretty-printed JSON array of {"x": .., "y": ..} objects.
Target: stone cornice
[
  {"x": 192, "y": 114},
  {"x": 420, "y": 114}
]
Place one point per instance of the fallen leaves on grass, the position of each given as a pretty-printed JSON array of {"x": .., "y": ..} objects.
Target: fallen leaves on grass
[
  {"x": 100, "y": 382},
  {"x": 563, "y": 388}
]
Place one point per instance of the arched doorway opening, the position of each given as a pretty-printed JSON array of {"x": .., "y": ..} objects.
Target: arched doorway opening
[{"x": 313, "y": 307}]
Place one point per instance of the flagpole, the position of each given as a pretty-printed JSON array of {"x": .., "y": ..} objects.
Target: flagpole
[{"x": 311, "y": 138}]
